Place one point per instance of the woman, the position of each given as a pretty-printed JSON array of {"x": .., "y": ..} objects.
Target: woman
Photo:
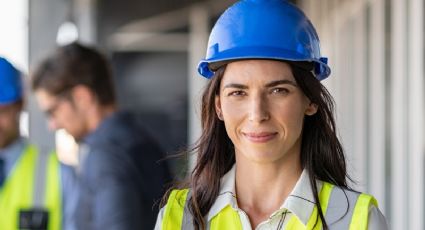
[{"x": 269, "y": 157}]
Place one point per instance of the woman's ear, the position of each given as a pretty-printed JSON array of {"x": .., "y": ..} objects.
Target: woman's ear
[
  {"x": 311, "y": 109},
  {"x": 218, "y": 107}
]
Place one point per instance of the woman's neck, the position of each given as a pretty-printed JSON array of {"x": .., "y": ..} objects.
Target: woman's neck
[{"x": 262, "y": 188}]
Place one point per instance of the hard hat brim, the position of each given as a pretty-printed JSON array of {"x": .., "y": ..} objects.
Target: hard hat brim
[{"x": 207, "y": 67}]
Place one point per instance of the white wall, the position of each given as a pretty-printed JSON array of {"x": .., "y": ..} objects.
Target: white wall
[
  {"x": 14, "y": 40},
  {"x": 14, "y": 32}
]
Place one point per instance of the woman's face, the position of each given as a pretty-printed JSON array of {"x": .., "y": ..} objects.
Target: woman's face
[{"x": 263, "y": 109}]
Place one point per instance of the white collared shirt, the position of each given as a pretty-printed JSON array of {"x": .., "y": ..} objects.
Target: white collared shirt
[
  {"x": 300, "y": 202},
  {"x": 302, "y": 208}
]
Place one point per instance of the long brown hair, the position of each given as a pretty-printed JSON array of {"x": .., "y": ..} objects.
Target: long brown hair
[{"x": 321, "y": 152}]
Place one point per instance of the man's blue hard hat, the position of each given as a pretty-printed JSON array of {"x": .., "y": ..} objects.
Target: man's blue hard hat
[
  {"x": 10, "y": 83},
  {"x": 263, "y": 29}
]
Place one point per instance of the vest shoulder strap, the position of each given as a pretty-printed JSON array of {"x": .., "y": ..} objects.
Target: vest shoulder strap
[
  {"x": 348, "y": 209},
  {"x": 360, "y": 217},
  {"x": 174, "y": 210},
  {"x": 340, "y": 208},
  {"x": 176, "y": 215}
]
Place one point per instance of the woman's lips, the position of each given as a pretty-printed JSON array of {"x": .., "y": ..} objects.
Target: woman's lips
[{"x": 259, "y": 137}]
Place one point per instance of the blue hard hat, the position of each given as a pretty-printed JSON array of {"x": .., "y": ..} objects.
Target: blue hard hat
[
  {"x": 10, "y": 83},
  {"x": 263, "y": 29}
]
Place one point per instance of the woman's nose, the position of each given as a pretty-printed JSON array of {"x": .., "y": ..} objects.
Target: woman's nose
[{"x": 258, "y": 111}]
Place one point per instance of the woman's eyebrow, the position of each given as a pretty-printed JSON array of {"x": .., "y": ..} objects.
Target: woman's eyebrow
[
  {"x": 270, "y": 84},
  {"x": 235, "y": 85},
  {"x": 281, "y": 82}
]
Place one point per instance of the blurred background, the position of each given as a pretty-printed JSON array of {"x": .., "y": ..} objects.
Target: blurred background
[{"x": 375, "y": 50}]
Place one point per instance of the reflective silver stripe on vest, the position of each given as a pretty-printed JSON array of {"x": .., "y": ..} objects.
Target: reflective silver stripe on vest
[
  {"x": 187, "y": 222},
  {"x": 40, "y": 179},
  {"x": 337, "y": 207}
]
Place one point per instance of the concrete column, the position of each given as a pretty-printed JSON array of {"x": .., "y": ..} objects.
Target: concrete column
[
  {"x": 85, "y": 17},
  {"x": 416, "y": 114},
  {"x": 359, "y": 94},
  {"x": 198, "y": 36},
  {"x": 45, "y": 17},
  {"x": 399, "y": 153},
  {"x": 377, "y": 116}
]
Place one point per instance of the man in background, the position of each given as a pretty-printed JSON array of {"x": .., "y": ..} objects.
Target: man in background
[
  {"x": 31, "y": 181},
  {"x": 119, "y": 175}
]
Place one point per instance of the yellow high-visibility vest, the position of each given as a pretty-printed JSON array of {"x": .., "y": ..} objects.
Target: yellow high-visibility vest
[
  {"x": 228, "y": 218},
  {"x": 19, "y": 188}
]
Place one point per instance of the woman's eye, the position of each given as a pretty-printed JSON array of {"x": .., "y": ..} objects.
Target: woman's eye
[
  {"x": 237, "y": 93},
  {"x": 280, "y": 90}
]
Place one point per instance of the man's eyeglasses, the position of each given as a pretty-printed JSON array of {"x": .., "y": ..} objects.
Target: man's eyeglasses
[{"x": 51, "y": 111}]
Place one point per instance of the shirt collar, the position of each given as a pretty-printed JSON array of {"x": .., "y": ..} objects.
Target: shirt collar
[
  {"x": 11, "y": 153},
  {"x": 15, "y": 148},
  {"x": 300, "y": 201},
  {"x": 227, "y": 194},
  {"x": 105, "y": 126}
]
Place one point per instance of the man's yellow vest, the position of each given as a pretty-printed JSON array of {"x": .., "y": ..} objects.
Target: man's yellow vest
[
  {"x": 17, "y": 192},
  {"x": 228, "y": 218}
]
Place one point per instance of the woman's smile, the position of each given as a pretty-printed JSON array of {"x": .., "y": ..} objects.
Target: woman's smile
[{"x": 259, "y": 137}]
